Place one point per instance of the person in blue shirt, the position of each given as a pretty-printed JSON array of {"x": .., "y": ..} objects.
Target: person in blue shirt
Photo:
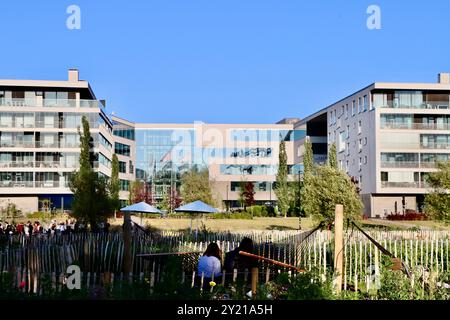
[{"x": 209, "y": 264}]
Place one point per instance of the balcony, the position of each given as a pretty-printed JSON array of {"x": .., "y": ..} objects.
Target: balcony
[
  {"x": 407, "y": 164},
  {"x": 16, "y": 184},
  {"x": 415, "y": 184},
  {"x": 431, "y": 105},
  {"x": 416, "y": 126},
  {"x": 42, "y": 164},
  {"x": 61, "y": 103}
]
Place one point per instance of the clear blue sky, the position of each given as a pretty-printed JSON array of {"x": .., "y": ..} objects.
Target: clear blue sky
[{"x": 251, "y": 61}]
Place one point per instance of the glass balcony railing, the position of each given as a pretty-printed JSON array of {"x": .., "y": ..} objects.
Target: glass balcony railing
[
  {"x": 68, "y": 103},
  {"x": 16, "y": 184},
  {"x": 415, "y": 184},
  {"x": 419, "y": 105},
  {"x": 42, "y": 164},
  {"x": 416, "y": 126},
  {"x": 407, "y": 164}
]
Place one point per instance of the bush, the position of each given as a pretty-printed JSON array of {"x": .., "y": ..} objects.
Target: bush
[{"x": 408, "y": 216}]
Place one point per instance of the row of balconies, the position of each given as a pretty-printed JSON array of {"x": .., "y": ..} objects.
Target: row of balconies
[
  {"x": 34, "y": 184},
  {"x": 41, "y": 164},
  {"x": 35, "y": 102}
]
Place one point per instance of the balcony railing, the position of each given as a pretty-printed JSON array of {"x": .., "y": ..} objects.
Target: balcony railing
[
  {"x": 69, "y": 103},
  {"x": 415, "y": 184},
  {"x": 407, "y": 164},
  {"x": 416, "y": 126},
  {"x": 16, "y": 184},
  {"x": 41, "y": 164},
  {"x": 16, "y": 164},
  {"x": 422, "y": 105}
]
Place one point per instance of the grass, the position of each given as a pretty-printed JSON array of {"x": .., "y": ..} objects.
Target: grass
[{"x": 228, "y": 224}]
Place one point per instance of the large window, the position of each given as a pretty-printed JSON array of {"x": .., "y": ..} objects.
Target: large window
[{"x": 122, "y": 149}]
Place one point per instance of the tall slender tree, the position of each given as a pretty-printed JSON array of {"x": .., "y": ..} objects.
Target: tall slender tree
[
  {"x": 308, "y": 158},
  {"x": 282, "y": 189},
  {"x": 114, "y": 183},
  {"x": 91, "y": 203},
  {"x": 332, "y": 157}
]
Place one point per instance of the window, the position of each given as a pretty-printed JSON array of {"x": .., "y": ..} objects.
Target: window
[
  {"x": 348, "y": 131},
  {"x": 365, "y": 159},
  {"x": 122, "y": 149},
  {"x": 360, "y": 145},
  {"x": 131, "y": 167},
  {"x": 360, "y": 105},
  {"x": 348, "y": 148},
  {"x": 365, "y": 141},
  {"x": 359, "y": 127},
  {"x": 122, "y": 167},
  {"x": 365, "y": 106},
  {"x": 346, "y": 111},
  {"x": 353, "y": 108},
  {"x": 342, "y": 138},
  {"x": 124, "y": 185},
  {"x": 360, "y": 164}
]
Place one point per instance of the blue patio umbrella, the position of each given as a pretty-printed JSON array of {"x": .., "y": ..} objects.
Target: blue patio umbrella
[
  {"x": 141, "y": 207},
  {"x": 196, "y": 207}
]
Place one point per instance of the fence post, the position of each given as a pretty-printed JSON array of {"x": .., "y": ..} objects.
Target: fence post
[
  {"x": 254, "y": 281},
  {"x": 338, "y": 246}
]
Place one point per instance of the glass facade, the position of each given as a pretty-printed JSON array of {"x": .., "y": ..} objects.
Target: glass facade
[{"x": 269, "y": 135}]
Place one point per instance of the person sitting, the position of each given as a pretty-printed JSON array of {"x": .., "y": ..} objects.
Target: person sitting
[
  {"x": 241, "y": 263},
  {"x": 210, "y": 264}
]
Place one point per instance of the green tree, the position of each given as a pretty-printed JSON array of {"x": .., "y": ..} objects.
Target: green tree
[
  {"x": 91, "y": 203},
  {"x": 195, "y": 185},
  {"x": 437, "y": 203},
  {"x": 326, "y": 188},
  {"x": 114, "y": 183},
  {"x": 282, "y": 190},
  {"x": 332, "y": 158},
  {"x": 308, "y": 158}
]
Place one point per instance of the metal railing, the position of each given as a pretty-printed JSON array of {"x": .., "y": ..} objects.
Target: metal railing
[
  {"x": 415, "y": 184},
  {"x": 407, "y": 164},
  {"x": 416, "y": 126},
  {"x": 423, "y": 105},
  {"x": 33, "y": 102}
]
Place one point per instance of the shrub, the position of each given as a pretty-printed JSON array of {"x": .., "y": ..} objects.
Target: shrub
[{"x": 408, "y": 216}]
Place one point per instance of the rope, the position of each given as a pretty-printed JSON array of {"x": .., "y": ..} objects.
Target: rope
[{"x": 383, "y": 249}]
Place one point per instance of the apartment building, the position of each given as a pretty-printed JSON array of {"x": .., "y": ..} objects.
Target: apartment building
[
  {"x": 39, "y": 141},
  {"x": 389, "y": 137},
  {"x": 232, "y": 153}
]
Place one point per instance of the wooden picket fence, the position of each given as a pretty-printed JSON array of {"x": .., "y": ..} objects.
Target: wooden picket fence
[{"x": 31, "y": 259}]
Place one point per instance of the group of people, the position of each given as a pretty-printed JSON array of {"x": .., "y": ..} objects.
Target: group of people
[
  {"x": 54, "y": 227},
  {"x": 211, "y": 262}
]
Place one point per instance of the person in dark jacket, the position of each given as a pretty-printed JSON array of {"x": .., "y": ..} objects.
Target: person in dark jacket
[{"x": 241, "y": 263}]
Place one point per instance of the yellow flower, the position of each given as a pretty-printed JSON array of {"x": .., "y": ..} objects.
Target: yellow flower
[{"x": 212, "y": 283}]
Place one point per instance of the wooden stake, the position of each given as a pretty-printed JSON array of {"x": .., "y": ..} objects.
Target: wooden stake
[{"x": 338, "y": 246}]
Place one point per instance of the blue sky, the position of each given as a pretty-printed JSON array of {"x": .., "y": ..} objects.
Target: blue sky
[{"x": 236, "y": 61}]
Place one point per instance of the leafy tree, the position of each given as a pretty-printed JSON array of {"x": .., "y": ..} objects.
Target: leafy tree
[
  {"x": 140, "y": 192},
  {"x": 332, "y": 159},
  {"x": 326, "y": 188},
  {"x": 282, "y": 190},
  {"x": 248, "y": 194},
  {"x": 195, "y": 185},
  {"x": 437, "y": 203},
  {"x": 91, "y": 203},
  {"x": 114, "y": 183},
  {"x": 171, "y": 200}
]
